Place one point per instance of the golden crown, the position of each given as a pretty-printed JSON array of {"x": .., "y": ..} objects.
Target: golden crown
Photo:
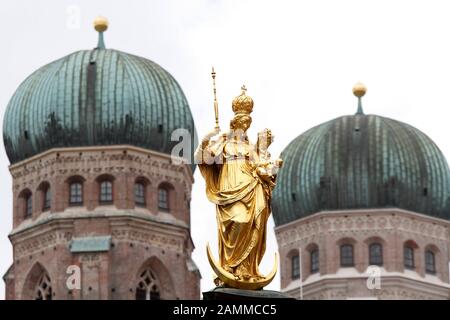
[{"x": 242, "y": 104}]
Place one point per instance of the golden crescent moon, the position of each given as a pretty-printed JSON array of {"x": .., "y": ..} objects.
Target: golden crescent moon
[{"x": 230, "y": 280}]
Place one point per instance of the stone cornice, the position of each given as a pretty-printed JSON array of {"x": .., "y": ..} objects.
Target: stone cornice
[
  {"x": 43, "y": 239},
  {"x": 389, "y": 280},
  {"x": 159, "y": 164},
  {"x": 59, "y": 230},
  {"x": 148, "y": 234},
  {"x": 374, "y": 211},
  {"x": 360, "y": 221},
  {"x": 70, "y": 214}
]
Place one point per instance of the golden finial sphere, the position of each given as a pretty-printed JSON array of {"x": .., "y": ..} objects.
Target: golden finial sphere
[
  {"x": 101, "y": 24},
  {"x": 359, "y": 90}
]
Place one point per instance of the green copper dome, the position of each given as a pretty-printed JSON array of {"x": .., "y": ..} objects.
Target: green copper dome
[
  {"x": 361, "y": 161},
  {"x": 96, "y": 97}
]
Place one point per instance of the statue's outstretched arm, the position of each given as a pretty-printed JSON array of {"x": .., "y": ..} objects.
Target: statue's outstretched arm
[{"x": 204, "y": 153}]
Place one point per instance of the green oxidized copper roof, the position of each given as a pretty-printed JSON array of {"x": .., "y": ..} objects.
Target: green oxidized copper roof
[
  {"x": 95, "y": 97},
  {"x": 361, "y": 161}
]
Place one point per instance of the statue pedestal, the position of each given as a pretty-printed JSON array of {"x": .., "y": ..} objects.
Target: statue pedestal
[{"x": 223, "y": 293}]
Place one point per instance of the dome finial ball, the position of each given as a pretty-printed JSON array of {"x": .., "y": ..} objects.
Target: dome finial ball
[
  {"x": 100, "y": 24},
  {"x": 359, "y": 90}
]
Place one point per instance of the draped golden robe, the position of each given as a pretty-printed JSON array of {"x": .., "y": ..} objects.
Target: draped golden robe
[{"x": 242, "y": 201}]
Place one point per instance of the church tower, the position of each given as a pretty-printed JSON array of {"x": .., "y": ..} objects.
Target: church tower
[
  {"x": 362, "y": 208},
  {"x": 98, "y": 199}
]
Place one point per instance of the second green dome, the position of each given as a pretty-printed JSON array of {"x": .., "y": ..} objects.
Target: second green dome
[{"x": 361, "y": 161}]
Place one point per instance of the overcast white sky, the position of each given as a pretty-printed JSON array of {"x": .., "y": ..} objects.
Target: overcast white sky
[{"x": 298, "y": 59}]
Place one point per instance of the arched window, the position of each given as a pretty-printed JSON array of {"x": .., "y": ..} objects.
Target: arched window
[
  {"x": 408, "y": 257},
  {"x": 43, "y": 289},
  {"x": 148, "y": 286},
  {"x": 76, "y": 193},
  {"x": 163, "y": 199},
  {"x": 44, "y": 196},
  {"x": 106, "y": 191},
  {"x": 376, "y": 254},
  {"x": 314, "y": 254},
  {"x": 295, "y": 267},
  {"x": 430, "y": 262},
  {"x": 25, "y": 202},
  {"x": 347, "y": 259},
  {"x": 28, "y": 205},
  {"x": 139, "y": 194},
  {"x": 47, "y": 199}
]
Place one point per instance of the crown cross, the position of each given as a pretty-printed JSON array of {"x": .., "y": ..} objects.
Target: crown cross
[{"x": 244, "y": 89}]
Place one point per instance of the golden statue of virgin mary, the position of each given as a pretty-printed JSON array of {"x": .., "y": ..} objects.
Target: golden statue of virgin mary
[{"x": 239, "y": 179}]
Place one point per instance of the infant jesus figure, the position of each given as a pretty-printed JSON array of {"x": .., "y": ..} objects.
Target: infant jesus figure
[{"x": 266, "y": 169}]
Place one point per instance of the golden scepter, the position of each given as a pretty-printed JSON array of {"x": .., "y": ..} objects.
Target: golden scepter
[{"x": 216, "y": 105}]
